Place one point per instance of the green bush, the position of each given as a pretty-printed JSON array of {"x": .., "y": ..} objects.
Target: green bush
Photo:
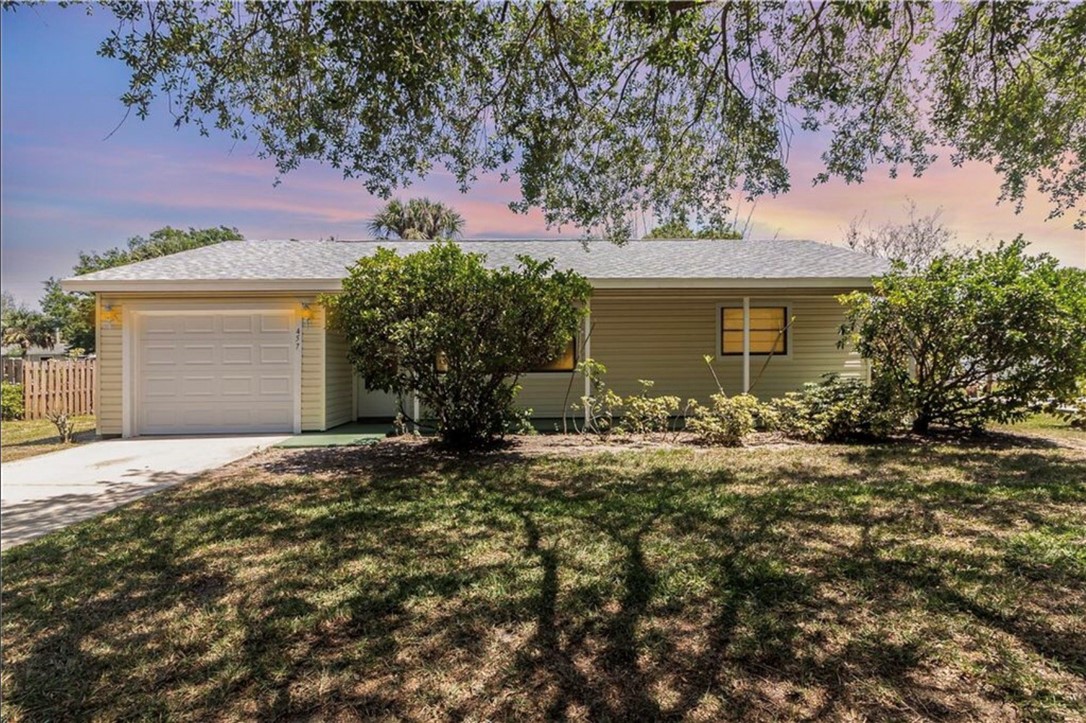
[
  {"x": 727, "y": 419},
  {"x": 836, "y": 409},
  {"x": 973, "y": 339},
  {"x": 12, "y": 401},
  {"x": 442, "y": 324},
  {"x": 644, "y": 414}
]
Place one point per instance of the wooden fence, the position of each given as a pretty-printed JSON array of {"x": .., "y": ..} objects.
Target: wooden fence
[
  {"x": 13, "y": 370},
  {"x": 58, "y": 385}
]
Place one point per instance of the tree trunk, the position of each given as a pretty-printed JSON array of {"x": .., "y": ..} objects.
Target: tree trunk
[{"x": 921, "y": 423}]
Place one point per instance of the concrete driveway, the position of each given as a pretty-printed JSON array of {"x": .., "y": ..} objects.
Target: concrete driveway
[{"x": 48, "y": 492}]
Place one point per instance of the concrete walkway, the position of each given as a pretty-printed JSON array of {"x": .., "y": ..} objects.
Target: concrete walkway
[{"x": 51, "y": 491}]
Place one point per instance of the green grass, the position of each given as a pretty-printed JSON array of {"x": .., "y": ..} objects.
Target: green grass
[
  {"x": 26, "y": 438},
  {"x": 895, "y": 582},
  {"x": 1045, "y": 425}
]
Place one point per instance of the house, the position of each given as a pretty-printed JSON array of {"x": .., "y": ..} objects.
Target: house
[{"x": 231, "y": 337}]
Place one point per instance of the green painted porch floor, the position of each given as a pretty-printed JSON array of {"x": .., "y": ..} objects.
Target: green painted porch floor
[{"x": 345, "y": 435}]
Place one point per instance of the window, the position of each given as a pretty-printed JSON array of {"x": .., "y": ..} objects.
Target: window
[
  {"x": 768, "y": 333},
  {"x": 564, "y": 362}
]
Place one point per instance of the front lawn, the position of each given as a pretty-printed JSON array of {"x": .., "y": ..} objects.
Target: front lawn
[
  {"x": 26, "y": 438},
  {"x": 903, "y": 581},
  {"x": 1046, "y": 426}
]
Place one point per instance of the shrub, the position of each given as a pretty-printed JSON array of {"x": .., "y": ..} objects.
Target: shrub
[
  {"x": 727, "y": 420},
  {"x": 520, "y": 422},
  {"x": 12, "y": 401},
  {"x": 65, "y": 425},
  {"x": 836, "y": 409},
  {"x": 969, "y": 340},
  {"x": 644, "y": 414},
  {"x": 601, "y": 407},
  {"x": 443, "y": 325}
]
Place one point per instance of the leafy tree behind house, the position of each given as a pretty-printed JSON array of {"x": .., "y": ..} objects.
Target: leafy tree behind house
[
  {"x": 603, "y": 110},
  {"x": 23, "y": 327},
  {"x": 973, "y": 339},
  {"x": 73, "y": 313},
  {"x": 417, "y": 219},
  {"x": 442, "y": 325},
  {"x": 678, "y": 228}
]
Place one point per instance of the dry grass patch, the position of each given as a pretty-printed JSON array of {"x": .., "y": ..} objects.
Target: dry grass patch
[{"x": 892, "y": 582}]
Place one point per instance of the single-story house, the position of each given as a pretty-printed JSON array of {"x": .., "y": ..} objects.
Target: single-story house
[{"x": 231, "y": 338}]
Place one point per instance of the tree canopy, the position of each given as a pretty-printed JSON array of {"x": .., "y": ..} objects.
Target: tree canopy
[
  {"x": 678, "y": 228},
  {"x": 23, "y": 327},
  {"x": 607, "y": 109},
  {"x": 417, "y": 219},
  {"x": 73, "y": 313}
]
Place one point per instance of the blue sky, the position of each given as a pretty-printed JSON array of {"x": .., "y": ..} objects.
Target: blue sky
[{"x": 65, "y": 186}]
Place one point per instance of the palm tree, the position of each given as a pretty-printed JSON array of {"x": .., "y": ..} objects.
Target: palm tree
[
  {"x": 25, "y": 328},
  {"x": 418, "y": 219}
]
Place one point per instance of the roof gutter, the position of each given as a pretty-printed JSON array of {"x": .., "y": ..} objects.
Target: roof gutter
[{"x": 331, "y": 285}]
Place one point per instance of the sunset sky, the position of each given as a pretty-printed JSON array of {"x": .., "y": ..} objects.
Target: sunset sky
[{"x": 65, "y": 186}]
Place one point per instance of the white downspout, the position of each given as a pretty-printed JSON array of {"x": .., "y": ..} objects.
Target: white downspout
[
  {"x": 587, "y": 355},
  {"x": 746, "y": 344}
]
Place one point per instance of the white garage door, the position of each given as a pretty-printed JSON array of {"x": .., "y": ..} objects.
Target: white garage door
[{"x": 215, "y": 373}]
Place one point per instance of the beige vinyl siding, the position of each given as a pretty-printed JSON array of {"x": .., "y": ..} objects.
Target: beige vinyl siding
[
  {"x": 108, "y": 401},
  {"x": 338, "y": 380},
  {"x": 544, "y": 393},
  {"x": 313, "y": 396},
  {"x": 108, "y": 395},
  {"x": 664, "y": 337}
]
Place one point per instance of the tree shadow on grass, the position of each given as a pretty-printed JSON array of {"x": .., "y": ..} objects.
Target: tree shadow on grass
[{"x": 385, "y": 583}]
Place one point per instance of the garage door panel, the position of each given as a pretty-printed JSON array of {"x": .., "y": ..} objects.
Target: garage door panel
[
  {"x": 275, "y": 354},
  {"x": 160, "y": 354},
  {"x": 196, "y": 355},
  {"x": 230, "y": 373},
  {"x": 156, "y": 325},
  {"x": 276, "y": 323},
  {"x": 198, "y": 324},
  {"x": 198, "y": 386},
  {"x": 274, "y": 386},
  {"x": 160, "y": 386},
  {"x": 237, "y": 354},
  {"x": 237, "y": 386},
  {"x": 237, "y": 324}
]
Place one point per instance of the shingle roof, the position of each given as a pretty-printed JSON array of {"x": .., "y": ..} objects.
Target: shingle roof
[{"x": 325, "y": 262}]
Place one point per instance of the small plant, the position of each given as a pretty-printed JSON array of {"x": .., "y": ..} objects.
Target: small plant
[
  {"x": 400, "y": 426},
  {"x": 645, "y": 414},
  {"x": 520, "y": 422},
  {"x": 837, "y": 409},
  {"x": 727, "y": 420},
  {"x": 12, "y": 403},
  {"x": 64, "y": 424},
  {"x": 601, "y": 406}
]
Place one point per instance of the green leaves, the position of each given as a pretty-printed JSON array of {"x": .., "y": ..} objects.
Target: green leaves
[
  {"x": 974, "y": 339},
  {"x": 440, "y": 324},
  {"x": 606, "y": 110},
  {"x": 73, "y": 313},
  {"x": 417, "y": 219}
]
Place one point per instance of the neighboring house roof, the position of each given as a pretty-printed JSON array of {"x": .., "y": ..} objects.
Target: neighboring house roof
[{"x": 320, "y": 265}]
